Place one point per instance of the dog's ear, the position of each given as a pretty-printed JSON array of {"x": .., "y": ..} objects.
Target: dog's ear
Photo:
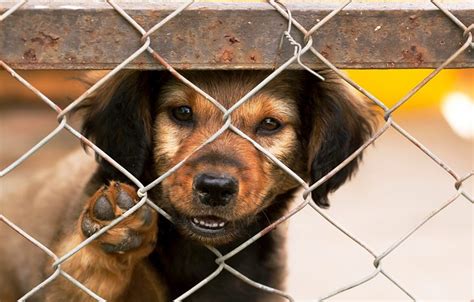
[
  {"x": 339, "y": 123},
  {"x": 118, "y": 119}
]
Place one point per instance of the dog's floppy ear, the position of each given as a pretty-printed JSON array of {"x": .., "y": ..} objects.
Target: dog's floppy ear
[
  {"x": 118, "y": 119},
  {"x": 339, "y": 123}
]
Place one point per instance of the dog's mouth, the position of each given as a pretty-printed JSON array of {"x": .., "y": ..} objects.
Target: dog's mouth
[
  {"x": 209, "y": 228},
  {"x": 208, "y": 225}
]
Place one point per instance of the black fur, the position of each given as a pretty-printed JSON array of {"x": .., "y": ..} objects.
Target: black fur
[
  {"x": 344, "y": 128},
  {"x": 121, "y": 127}
]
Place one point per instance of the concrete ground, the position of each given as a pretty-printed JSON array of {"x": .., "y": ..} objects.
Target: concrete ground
[{"x": 397, "y": 186}]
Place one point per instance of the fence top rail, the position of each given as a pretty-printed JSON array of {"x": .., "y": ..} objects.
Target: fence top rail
[
  {"x": 240, "y": 4},
  {"x": 209, "y": 35}
]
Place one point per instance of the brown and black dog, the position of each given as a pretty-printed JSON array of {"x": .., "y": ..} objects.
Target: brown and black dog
[{"x": 223, "y": 194}]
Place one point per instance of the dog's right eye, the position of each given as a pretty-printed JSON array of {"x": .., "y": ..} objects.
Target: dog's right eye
[{"x": 182, "y": 114}]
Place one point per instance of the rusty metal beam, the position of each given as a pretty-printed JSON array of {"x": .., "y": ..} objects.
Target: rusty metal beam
[{"x": 232, "y": 36}]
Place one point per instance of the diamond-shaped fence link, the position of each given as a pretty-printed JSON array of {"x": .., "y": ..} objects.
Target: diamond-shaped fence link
[{"x": 299, "y": 50}]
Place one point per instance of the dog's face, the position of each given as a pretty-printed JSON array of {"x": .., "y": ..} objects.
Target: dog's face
[
  {"x": 222, "y": 187},
  {"x": 225, "y": 186}
]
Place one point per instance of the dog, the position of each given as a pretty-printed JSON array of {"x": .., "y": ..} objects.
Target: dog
[{"x": 223, "y": 193}]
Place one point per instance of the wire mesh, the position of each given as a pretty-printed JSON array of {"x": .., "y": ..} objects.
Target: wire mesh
[{"x": 299, "y": 50}]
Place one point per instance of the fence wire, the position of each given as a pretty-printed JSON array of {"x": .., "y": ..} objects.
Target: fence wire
[{"x": 299, "y": 50}]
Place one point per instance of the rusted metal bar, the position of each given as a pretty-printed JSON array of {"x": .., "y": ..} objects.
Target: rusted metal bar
[{"x": 232, "y": 36}]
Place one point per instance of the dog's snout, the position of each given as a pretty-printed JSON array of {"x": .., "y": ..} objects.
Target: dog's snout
[{"x": 214, "y": 190}]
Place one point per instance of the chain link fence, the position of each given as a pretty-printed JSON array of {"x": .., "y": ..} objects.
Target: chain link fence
[{"x": 306, "y": 47}]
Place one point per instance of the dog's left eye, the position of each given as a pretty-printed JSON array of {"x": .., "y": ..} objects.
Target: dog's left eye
[
  {"x": 182, "y": 113},
  {"x": 269, "y": 125}
]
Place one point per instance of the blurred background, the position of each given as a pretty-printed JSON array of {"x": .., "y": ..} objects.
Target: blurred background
[{"x": 397, "y": 186}]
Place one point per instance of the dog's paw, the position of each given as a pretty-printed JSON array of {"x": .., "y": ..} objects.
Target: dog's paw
[{"x": 135, "y": 235}]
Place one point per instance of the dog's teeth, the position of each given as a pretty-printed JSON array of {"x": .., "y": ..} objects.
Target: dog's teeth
[{"x": 208, "y": 224}]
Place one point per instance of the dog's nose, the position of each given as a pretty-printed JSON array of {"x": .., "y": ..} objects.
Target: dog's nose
[{"x": 213, "y": 190}]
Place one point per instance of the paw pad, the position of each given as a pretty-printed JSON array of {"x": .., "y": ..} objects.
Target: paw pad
[
  {"x": 103, "y": 209},
  {"x": 137, "y": 231}
]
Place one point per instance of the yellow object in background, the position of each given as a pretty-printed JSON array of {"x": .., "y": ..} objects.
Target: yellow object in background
[{"x": 390, "y": 86}]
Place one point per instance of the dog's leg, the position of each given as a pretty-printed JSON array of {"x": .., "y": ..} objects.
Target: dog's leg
[{"x": 107, "y": 265}]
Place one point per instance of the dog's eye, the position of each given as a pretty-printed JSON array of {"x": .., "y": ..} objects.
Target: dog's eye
[
  {"x": 269, "y": 125},
  {"x": 182, "y": 113}
]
